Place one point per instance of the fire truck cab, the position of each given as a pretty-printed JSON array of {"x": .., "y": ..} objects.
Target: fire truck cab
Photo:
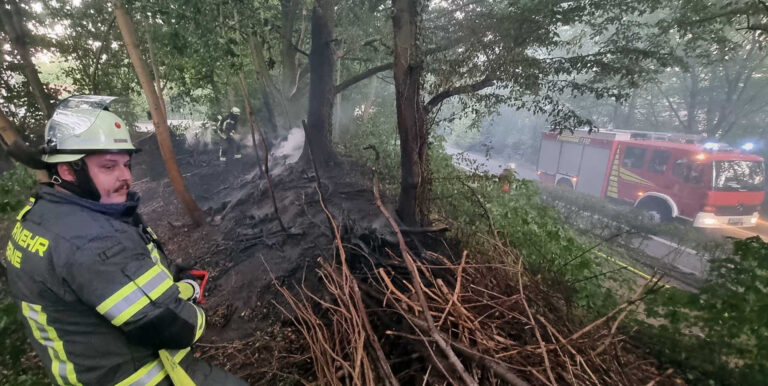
[{"x": 669, "y": 176}]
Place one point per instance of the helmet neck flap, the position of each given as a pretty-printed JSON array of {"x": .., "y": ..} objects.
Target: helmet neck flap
[{"x": 83, "y": 186}]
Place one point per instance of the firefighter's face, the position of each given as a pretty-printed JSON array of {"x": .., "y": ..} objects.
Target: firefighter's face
[{"x": 111, "y": 173}]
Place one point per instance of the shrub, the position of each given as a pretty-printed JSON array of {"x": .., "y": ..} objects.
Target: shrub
[{"x": 719, "y": 334}]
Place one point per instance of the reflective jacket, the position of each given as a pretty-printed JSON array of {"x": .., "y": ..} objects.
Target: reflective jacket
[
  {"x": 228, "y": 125},
  {"x": 98, "y": 296}
]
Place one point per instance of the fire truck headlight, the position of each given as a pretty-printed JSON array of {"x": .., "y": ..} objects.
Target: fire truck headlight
[
  {"x": 709, "y": 221},
  {"x": 749, "y": 146}
]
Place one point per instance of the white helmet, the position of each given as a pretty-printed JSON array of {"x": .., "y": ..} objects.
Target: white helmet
[
  {"x": 235, "y": 110},
  {"x": 82, "y": 125}
]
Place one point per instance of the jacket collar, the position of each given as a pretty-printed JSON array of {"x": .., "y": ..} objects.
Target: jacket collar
[{"x": 123, "y": 211}]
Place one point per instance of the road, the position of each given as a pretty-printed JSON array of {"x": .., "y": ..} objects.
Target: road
[{"x": 684, "y": 264}]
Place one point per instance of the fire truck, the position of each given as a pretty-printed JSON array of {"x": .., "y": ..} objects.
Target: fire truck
[{"x": 669, "y": 176}]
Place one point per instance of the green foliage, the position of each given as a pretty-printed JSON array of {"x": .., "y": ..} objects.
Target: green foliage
[
  {"x": 15, "y": 187},
  {"x": 720, "y": 334}
]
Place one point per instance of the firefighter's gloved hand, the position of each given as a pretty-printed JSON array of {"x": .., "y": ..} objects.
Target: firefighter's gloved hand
[{"x": 189, "y": 290}]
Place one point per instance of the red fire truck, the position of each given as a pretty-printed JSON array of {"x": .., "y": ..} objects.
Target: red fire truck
[{"x": 669, "y": 176}]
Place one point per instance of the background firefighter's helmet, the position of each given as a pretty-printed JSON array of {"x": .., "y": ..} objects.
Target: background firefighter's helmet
[
  {"x": 235, "y": 110},
  {"x": 82, "y": 125}
]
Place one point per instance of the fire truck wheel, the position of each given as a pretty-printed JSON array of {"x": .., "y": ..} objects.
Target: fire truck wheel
[{"x": 657, "y": 209}]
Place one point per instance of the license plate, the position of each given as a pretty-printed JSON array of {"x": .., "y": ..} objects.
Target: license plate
[{"x": 735, "y": 221}]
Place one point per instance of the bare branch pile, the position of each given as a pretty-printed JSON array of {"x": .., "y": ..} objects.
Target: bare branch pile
[{"x": 413, "y": 318}]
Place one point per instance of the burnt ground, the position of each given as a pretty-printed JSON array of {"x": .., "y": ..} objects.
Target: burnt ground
[
  {"x": 249, "y": 255},
  {"x": 246, "y": 251}
]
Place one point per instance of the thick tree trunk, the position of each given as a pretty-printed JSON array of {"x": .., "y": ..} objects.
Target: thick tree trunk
[
  {"x": 156, "y": 73},
  {"x": 408, "y": 68},
  {"x": 11, "y": 17},
  {"x": 159, "y": 119},
  {"x": 321, "y": 86}
]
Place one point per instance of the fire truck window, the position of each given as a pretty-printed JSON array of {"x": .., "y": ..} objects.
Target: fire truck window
[
  {"x": 659, "y": 161},
  {"x": 634, "y": 158},
  {"x": 687, "y": 171}
]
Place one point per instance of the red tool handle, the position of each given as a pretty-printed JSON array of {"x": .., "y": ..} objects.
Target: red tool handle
[{"x": 203, "y": 277}]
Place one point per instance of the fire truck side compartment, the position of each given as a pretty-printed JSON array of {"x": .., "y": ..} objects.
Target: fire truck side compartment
[{"x": 594, "y": 165}]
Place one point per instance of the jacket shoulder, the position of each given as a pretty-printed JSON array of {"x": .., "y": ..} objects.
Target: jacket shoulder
[{"x": 75, "y": 224}]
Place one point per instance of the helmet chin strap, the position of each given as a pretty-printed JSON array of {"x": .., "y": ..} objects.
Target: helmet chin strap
[{"x": 83, "y": 185}]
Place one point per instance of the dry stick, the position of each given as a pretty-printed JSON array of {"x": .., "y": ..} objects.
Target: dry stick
[
  {"x": 616, "y": 323},
  {"x": 455, "y": 297},
  {"x": 372, "y": 339},
  {"x": 269, "y": 179},
  {"x": 452, "y": 358},
  {"x": 652, "y": 282},
  {"x": 496, "y": 366},
  {"x": 535, "y": 326}
]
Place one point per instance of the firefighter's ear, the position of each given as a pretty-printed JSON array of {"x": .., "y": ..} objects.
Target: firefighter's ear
[{"x": 65, "y": 172}]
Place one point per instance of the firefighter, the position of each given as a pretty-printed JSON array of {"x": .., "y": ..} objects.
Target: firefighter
[
  {"x": 101, "y": 302},
  {"x": 507, "y": 177},
  {"x": 227, "y": 128}
]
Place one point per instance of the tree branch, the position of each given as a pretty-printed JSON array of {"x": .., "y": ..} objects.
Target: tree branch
[
  {"x": 362, "y": 76},
  {"x": 458, "y": 90}
]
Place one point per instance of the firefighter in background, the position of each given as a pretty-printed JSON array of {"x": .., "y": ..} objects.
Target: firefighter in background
[
  {"x": 507, "y": 177},
  {"x": 101, "y": 302},
  {"x": 227, "y": 128}
]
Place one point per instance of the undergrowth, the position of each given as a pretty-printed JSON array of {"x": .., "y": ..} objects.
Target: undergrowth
[{"x": 718, "y": 335}]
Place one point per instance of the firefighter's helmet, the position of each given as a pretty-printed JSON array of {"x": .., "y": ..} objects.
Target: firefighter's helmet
[
  {"x": 235, "y": 110},
  {"x": 83, "y": 125}
]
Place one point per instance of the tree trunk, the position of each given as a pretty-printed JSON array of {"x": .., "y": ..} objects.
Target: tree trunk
[
  {"x": 408, "y": 68},
  {"x": 156, "y": 73},
  {"x": 262, "y": 73},
  {"x": 14, "y": 26},
  {"x": 158, "y": 116},
  {"x": 692, "y": 125},
  {"x": 251, "y": 119},
  {"x": 321, "y": 86},
  {"x": 368, "y": 105},
  {"x": 10, "y": 134},
  {"x": 288, "y": 53}
]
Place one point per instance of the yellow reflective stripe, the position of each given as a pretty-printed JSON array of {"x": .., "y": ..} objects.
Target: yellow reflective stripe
[
  {"x": 200, "y": 322},
  {"x": 26, "y": 208},
  {"x": 61, "y": 367},
  {"x": 155, "y": 254},
  {"x": 135, "y": 295},
  {"x": 128, "y": 288},
  {"x": 153, "y": 372},
  {"x": 179, "y": 377},
  {"x": 142, "y": 302},
  {"x": 148, "y": 375}
]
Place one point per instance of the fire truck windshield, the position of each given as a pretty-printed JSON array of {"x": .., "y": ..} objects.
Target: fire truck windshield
[{"x": 739, "y": 176}]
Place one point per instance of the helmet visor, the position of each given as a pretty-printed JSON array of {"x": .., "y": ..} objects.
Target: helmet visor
[{"x": 75, "y": 115}]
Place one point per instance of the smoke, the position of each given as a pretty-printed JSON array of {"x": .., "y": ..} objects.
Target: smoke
[{"x": 292, "y": 146}]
